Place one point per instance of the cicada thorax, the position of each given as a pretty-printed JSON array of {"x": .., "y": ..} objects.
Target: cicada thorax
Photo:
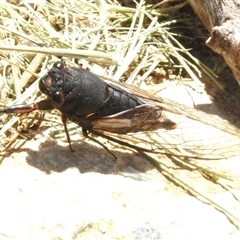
[{"x": 87, "y": 100}]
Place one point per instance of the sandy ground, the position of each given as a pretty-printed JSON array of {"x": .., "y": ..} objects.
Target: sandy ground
[{"x": 48, "y": 192}]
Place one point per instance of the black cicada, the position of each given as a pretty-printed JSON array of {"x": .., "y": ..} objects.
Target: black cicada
[{"x": 106, "y": 108}]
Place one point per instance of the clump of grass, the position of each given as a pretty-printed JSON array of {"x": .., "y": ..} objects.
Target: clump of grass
[{"x": 134, "y": 45}]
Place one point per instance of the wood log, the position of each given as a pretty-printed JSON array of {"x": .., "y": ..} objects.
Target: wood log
[{"x": 222, "y": 20}]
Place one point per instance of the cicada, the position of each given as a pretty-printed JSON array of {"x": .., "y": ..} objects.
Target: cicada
[{"x": 132, "y": 117}]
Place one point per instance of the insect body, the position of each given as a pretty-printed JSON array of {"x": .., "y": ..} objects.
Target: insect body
[
  {"x": 102, "y": 105},
  {"x": 94, "y": 104}
]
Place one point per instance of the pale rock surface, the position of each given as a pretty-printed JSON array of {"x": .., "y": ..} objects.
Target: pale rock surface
[{"x": 48, "y": 192}]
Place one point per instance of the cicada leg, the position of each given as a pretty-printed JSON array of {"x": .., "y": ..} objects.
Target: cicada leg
[{"x": 45, "y": 104}]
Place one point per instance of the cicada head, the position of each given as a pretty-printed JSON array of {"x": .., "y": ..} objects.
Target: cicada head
[
  {"x": 51, "y": 83},
  {"x": 72, "y": 90},
  {"x": 60, "y": 84}
]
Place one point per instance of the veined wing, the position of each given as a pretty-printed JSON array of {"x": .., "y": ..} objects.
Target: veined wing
[
  {"x": 198, "y": 135},
  {"x": 191, "y": 139}
]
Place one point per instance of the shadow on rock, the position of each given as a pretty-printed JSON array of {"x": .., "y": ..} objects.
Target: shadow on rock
[{"x": 86, "y": 158}]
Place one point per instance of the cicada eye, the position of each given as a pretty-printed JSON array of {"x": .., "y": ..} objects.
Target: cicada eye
[
  {"x": 58, "y": 98},
  {"x": 45, "y": 84},
  {"x": 60, "y": 65}
]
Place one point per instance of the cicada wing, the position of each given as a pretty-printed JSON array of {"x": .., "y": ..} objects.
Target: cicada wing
[
  {"x": 191, "y": 139},
  {"x": 195, "y": 134},
  {"x": 141, "y": 118},
  {"x": 169, "y": 106}
]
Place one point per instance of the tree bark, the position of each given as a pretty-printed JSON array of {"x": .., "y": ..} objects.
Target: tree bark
[{"x": 222, "y": 20}]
